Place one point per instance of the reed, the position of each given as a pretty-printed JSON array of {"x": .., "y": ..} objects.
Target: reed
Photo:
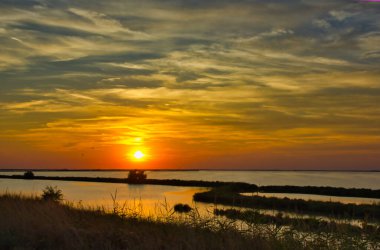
[{"x": 33, "y": 223}]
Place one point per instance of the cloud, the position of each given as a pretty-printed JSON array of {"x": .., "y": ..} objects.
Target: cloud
[
  {"x": 268, "y": 34},
  {"x": 226, "y": 75},
  {"x": 341, "y": 15},
  {"x": 321, "y": 24},
  {"x": 370, "y": 44}
]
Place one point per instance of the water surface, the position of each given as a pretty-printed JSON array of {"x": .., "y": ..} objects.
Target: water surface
[
  {"x": 297, "y": 178},
  {"x": 346, "y": 200},
  {"x": 148, "y": 198}
]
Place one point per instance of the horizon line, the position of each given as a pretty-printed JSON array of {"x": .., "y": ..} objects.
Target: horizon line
[{"x": 180, "y": 169}]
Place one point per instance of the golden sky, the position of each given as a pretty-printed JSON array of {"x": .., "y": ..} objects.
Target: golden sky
[{"x": 241, "y": 84}]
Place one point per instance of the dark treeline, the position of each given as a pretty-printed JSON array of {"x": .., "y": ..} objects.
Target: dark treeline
[
  {"x": 333, "y": 209},
  {"x": 332, "y": 191},
  {"x": 300, "y": 224}
]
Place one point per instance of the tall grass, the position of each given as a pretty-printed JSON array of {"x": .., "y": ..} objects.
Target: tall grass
[{"x": 32, "y": 223}]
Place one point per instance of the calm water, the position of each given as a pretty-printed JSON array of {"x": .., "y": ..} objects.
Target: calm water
[
  {"x": 151, "y": 197},
  {"x": 355, "y": 200},
  {"x": 298, "y": 178}
]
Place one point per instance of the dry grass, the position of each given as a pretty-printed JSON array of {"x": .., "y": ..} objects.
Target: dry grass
[{"x": 32, "y": 223}]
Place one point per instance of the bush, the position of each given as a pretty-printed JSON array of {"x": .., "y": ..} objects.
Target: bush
[
  {"x": 136, "y": 176},
  {"x": 182, "y": 208},
  {"x": 28, "y": 175},
  {"x": 52, "y": 194}
]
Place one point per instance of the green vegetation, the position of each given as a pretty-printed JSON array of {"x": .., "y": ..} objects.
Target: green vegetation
[
  {"x": 334, "y": 209},
  {"x": 32, "y": 223}
]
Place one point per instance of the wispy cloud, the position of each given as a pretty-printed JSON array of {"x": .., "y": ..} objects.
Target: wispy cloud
[{"x": 232, "y": 77}]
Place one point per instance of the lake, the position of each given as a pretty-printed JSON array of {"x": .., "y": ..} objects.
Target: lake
[
  {"x": 153, "y": 197},
  {"x": 297, "y": 178}
]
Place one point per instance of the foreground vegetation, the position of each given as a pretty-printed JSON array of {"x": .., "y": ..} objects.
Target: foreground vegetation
[
  {"x": 33, "y": 223},
  {"x": 47, "y": 223}
]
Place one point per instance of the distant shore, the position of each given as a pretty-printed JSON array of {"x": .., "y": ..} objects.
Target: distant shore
[
  {"x": 190, "y": 170},
  {"x": 236, "y": 186}
]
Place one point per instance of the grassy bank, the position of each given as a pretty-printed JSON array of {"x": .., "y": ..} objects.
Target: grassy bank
[
  {"x": 32, "y": 223},
  {"x": 330, "y": 191},
  {"x": 311, "y": 224},
  {"x": 333, "y": 209}
]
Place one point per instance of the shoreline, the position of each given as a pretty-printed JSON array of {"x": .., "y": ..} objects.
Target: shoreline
[
  {"x": 238, "y": 187},
  {"x": 189, "y": 170}
]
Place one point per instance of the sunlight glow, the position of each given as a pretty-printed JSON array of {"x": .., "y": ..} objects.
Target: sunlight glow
[{"x": 138, "y": 155}]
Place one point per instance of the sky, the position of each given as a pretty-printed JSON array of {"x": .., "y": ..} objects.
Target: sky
[{"x": 190, "y": 84}]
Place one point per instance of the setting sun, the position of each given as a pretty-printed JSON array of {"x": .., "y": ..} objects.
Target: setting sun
[
  {"x": 190, "y": 124},
  {"x": 138, "y": 155}
]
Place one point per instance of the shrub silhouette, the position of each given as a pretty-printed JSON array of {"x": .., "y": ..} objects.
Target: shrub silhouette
[
  {"x": 136, "y": 176},
  {"x": 52, "y": 194},
  {"x": 28, "y": 175},
  {"x": 182, "y": 208}
]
